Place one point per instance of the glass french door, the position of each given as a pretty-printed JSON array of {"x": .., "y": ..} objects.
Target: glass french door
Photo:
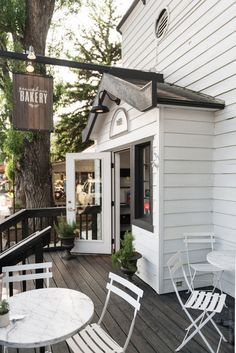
[{"x": 88, "y": 200}]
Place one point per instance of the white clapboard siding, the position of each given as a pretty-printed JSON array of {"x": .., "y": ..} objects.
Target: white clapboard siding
[
  {"x": 174, "y": 233},
  {"x": 208, "y": 62},
  {"x": 224, "y": 193},
  {"x": 188, "y": 178},
  {"x": 189, "y": 127},
  {"x": 187, "y": 193},
  {"x": 195, "y": 154},
  {"x": 225, "y": 167},
  {"x": 224, "y": 140},
  {"x": 205, "y": 36},
  {"x": 225, "y": 153},
  {"x": 199, "y": 148},
  {"x": 188, "y": 140},
  {"x": 223, "y": 206},
  {"x": 185, "y": 206},
  {"x": 224, "y": 220},
  {"x": 225, "y": 126},
  {"x": 225, "y": 180},
  {"x": 227, "y": 113},
  {"x": 191, "y": 218},
  {"x": 190, "y": 167}
]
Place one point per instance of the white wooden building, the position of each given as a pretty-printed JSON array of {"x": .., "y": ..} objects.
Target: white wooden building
[{"x": 185, "y": 119}]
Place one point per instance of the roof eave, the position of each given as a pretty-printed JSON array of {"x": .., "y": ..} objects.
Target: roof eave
[
  {"x": 206, "y": 105},
  {"x": 126, "y": 15}
]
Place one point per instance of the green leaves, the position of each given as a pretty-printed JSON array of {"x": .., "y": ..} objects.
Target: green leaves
[
  {"x": 95, "y": 45},
  {"x": 4, "y": 307}
]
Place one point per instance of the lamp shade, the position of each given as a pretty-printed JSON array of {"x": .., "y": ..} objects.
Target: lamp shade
[
  {"x": 100, "y": 109},
  {"x": 31, "y": 54}
]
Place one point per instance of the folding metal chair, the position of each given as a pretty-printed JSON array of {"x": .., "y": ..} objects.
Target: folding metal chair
[
  {"x": 208, "y": 303},
  {"x": 93, "y": 338},
  {"x": 26, "y": 272},
  {"x": 20, "y": 273},
  {"x": 207, "y": 239}
]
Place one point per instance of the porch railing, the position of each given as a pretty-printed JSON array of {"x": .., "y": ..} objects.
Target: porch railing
[
  {"x": 27, "y": 221},
  {"x": 32, "y": 245}
]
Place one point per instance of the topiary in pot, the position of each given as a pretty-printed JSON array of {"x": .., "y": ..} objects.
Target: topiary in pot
[
  {"x": 66, "y": 233},
  {"x": 126, "y": 258}
]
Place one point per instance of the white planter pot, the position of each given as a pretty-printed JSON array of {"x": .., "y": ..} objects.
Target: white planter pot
[{"x": 5, "y": 319}]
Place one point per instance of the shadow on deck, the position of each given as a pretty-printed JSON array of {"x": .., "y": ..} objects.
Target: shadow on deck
[{"x": 160, "y": 324}]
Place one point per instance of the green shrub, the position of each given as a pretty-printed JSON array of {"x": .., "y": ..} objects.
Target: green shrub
[
  {"x": 123, "y": 257},
  {"x": 4, "y": 307},
  {"x": 65, "y": 229}
]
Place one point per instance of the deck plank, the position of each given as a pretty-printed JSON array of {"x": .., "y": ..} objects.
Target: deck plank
[{"x": 160, "y": 324}]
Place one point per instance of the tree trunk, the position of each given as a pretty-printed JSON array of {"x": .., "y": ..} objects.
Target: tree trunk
[
  {"x": 35, "y": 163},
  {"x": 36, "y": 169}
]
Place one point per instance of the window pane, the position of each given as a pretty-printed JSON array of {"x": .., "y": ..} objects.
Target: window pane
[{"x": 146, "y": 181}]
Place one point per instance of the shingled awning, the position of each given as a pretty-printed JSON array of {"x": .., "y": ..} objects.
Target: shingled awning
[{"x": 144, "y": 95}]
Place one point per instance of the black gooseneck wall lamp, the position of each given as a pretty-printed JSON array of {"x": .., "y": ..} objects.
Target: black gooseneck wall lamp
[{"x": 101, "y": 108}]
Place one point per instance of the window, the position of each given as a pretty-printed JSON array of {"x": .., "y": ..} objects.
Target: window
[{"x": 143, "y": 186}]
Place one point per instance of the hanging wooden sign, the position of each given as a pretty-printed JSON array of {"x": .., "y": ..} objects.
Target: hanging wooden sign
[{"x": 32, "y": 102}]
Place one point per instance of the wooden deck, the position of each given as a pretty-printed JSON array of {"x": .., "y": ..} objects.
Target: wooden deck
[{"x": 160, "y": 324}]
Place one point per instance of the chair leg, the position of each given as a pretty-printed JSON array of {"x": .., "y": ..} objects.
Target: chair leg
[
  {"x": 218, "y": 330},
  {"x": 192, "y": 279},
  {"x": 217, "y": 276},
  {"x": 188, "y": 337}
]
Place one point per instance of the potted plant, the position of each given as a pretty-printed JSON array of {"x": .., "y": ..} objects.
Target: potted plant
[
  {"x": 4, "y": 313},
  {"x": 66, "y": 233},
  {"x": 126, "y": 258}
]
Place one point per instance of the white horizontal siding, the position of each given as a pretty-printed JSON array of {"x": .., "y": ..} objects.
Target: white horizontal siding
[
  {"x": 187, "y": 193},
  {"x": 197, "y": 52},
  {"x": 187, "y": 178},
  {"x": 190, "y": 167}
]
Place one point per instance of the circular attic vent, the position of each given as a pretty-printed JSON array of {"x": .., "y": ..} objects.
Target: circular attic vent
[{"x": 162, "y": 24}]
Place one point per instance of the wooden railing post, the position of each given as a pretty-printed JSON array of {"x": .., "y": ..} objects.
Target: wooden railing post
[
  {"x": 25, "y": 228},
  {"x": 39, "y": 258}
]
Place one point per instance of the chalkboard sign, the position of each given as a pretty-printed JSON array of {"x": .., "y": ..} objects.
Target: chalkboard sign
[{"x": 32, "y": 102}]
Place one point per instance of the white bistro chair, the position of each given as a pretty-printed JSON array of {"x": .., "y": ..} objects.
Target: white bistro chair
[
  {"x": 207, "y": 240},
  {"x": 26, "y": 272},
  {"x": 93, "y": 338},
  {"x": 207, "y": 303}
]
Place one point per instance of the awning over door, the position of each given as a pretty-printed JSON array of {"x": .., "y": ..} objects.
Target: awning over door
[{"x": 146, "y": 94}]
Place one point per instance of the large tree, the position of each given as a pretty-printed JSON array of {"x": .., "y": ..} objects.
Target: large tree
[
  {"x": 98, "y": 44},
  {"x": 24, "y": 23}
]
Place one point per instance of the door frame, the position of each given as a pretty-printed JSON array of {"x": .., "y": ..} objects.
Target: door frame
[{"x": 102, "y": 246}]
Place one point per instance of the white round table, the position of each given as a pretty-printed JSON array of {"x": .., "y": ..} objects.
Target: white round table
[
  {"x": 50, "y": 315},
  {"x": 224, "y": 259}
]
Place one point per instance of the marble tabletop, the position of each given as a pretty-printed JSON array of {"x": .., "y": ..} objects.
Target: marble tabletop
[
  {"x": 224, "y": 259},
  {"x": 42, "y": 317}
]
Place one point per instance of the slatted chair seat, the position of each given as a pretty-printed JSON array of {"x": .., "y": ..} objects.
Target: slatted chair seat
[
  {"x": 208, "y": 303},
  {"x": 93, "y": 338}
]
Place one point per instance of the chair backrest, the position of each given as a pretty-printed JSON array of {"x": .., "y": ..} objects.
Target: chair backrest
[
  {"x": 25, "y": 273},
  {"x": 113, "y": 288},
  {"x": 193, "y": 239},
  {"x": 177, "y": 271}
]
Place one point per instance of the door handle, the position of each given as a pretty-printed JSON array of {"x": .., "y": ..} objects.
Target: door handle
[{"x": 71, "y": 209}]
